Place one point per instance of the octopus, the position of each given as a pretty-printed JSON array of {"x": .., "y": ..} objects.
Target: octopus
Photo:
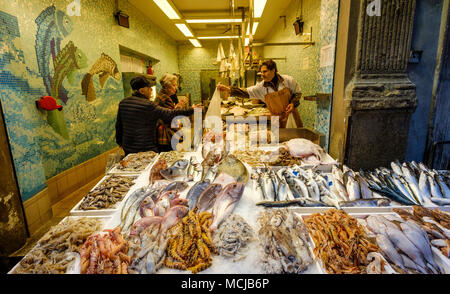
[
  {"x": 232, "y": 237},
  {"x": 284, "y": 239}
]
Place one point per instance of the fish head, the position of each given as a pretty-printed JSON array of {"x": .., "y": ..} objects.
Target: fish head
[
  {"x": 235, "y": 190},
  {"x": 81, "y": 59},
  {"x": 64, "y": 22}
]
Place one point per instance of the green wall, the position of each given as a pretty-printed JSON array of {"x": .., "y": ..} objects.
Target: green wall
[{"x": 39, "y": 150}]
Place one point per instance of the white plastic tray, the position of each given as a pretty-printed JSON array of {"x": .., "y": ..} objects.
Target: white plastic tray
[
  {"x": 116, "y": 170},
  {"x": 104, "y": 219},
  {"x": 103, "y": 212}
]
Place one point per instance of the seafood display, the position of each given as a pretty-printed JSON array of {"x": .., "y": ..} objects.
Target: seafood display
[
  {"x": 353, "y": 190},
  {"x": 56, "y": 251},
  {"x": 105, "y": 253},
  {"x": 434, "y": 226},
  {"x": 340, "y": 241},
  {"x": 410, "y": 184},
  {"x": 190, "y": 245},
  {"x": 171, "y": 157},
  {"x": 232, "y": 237},
  {"x": 136, "y": 162},
  {"x": 284, "y": 240},
  {"x": 198, "y": 209},
  {"x": 108, "y": 193}
]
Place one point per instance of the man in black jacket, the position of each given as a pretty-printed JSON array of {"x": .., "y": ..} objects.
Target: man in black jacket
[{"x": 137, "y": 117}]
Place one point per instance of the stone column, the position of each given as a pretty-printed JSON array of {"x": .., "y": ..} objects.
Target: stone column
[{"x": 379, "y": 98}]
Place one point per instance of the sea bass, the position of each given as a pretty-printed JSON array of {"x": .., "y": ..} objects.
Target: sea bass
[{"x": 225, "y": 203}]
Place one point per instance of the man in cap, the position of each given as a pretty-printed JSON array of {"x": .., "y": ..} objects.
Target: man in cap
[{"x": 137, "y": 117}]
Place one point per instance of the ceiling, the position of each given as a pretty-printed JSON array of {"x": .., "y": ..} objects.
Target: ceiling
[{"x": 208, "y": 9}]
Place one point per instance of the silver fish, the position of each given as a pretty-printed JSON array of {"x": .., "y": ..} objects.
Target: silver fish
[
  {"x": 412, "y": 181},
  {"x": 417, "y": 238},
  {"x": 211, "y": 173},
  {"x": 396, "y": 167},
  {"x": 443, "y": 187},
  {"x": 353, "y": 189},
  {"x": 440, "y": 201},
  {"x": 313, "y": 189},
  {"x": 178, "y": 169},
  {"x": 400, "y": 241},
  {"x": 178, "y": 186},
  {"x": 441, "y": 260},
  {"x": 340, "y": 188},
  {"x": 424, "y": 187},
  {"x": 366, "y": 193},
  {"x": 389, "y": 250},
  {"x": 225, "y": 203}
]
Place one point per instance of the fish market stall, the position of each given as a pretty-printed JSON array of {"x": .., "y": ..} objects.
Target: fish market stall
[{"x": 268, "y": 211}]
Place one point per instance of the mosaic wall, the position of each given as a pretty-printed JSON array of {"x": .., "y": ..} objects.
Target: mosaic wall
[
  {"x": 192, "y": 60},
  {"x": 73, "y": 59},
  {"x": 303, "y": 62},
  {"x": 328, "y": 34}
]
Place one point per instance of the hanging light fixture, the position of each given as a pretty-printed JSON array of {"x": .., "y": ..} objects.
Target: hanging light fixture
[{"x": 298, "y": 24}]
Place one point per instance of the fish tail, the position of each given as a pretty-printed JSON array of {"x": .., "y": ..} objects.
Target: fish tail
[{"x": 87, "y": 86}]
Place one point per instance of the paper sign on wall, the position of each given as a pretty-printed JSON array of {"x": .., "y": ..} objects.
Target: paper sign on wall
[{"x": 326, "y": 55}]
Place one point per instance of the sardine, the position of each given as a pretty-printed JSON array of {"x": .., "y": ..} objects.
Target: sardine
[
  {"x": 207, "y": 198},
  {"x": 195, "y": 192},
  {"x": 177, "y": 170},
  {"x": 285, "y": 203},
  {"x": 396, "y": 167},
  {"x": 225, "y": 203}
]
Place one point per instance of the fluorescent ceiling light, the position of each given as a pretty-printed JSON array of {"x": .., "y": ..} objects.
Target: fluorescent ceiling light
[
  {"x": 165, "y": 6},
  {"x": 227, "y": 20},
  {"x": 184, "y": 29},
  {"x": 255, "y": 26},
  {"x": 195, "y": 42},
  {"x": 219, "y": 37},
  {"x": 247, "y": 40},
  {"x": 258, "y": 7}
]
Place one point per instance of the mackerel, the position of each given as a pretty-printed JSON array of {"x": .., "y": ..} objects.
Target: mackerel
[
  {"x": 444, "y": 188},
  {"x": 412, "y": 181}
]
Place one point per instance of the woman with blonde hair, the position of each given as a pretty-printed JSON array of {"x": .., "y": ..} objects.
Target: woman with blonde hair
[{"x": 169, "y": 84}]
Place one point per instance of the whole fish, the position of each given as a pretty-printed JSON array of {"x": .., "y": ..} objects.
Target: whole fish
[
  {"x": 353, "y": 189},
  {"x": 162, "y": 205},
  {"x": 440, "y": 201},
  {"x": 284, "y": 203},
  {"x": 207, "y": 198},
  {"x": 262, "y": 185},
  {"x": 442, "y": 185},
  {"x": 178, "y": 201},
  {"x": 190, "y": 169},
  {"x": 142, "y": 223},
  {"x": 282, "y": 193},
  {"x": 234, "y": 167},
  {"x": 225, "y": 203},
  {"x": 400, "y": 241},
  {"x": 340, "y": 188},
  {"x": 375, "y": 225},
  {"x": 417, "y": 238},
  {"x": 424, "y": 187},
  {"x": 195, "y": 192},
  {"x": 412, "y": 181},
  {"x": 146, "y": 207},
  {"x": 366, "y": 193},
  {"x": 172, "y": 216},
  {"x": 435, "y": 191},
  {"x": 177, "y": 170},
  {"x": 131, "y": 210},
  {"x": 389, "y": 250},
  {"x": 178, "y": 186},
  {"x": 211, "y": 173},
  {"x": 442, "y": 261},
  {"x": 294, "y": 185},
  {"x": 397, "y": 168},
  {"x": 337, "y": 172},
  {"x": 269, "y": 186},
  {"x": 223, "y": 179},
  {"x": 313, "y": 190},
  {"x": 275, "y": 183}
]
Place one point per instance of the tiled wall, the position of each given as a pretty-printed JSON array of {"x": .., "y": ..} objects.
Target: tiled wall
[
  {"x": 304, "y": 63},
  {"x": 192, "y": 60},
  {"x": 39, "y": 150}
]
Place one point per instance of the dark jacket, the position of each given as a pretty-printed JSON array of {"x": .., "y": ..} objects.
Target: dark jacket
[{"x": 136, "y": 123}]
